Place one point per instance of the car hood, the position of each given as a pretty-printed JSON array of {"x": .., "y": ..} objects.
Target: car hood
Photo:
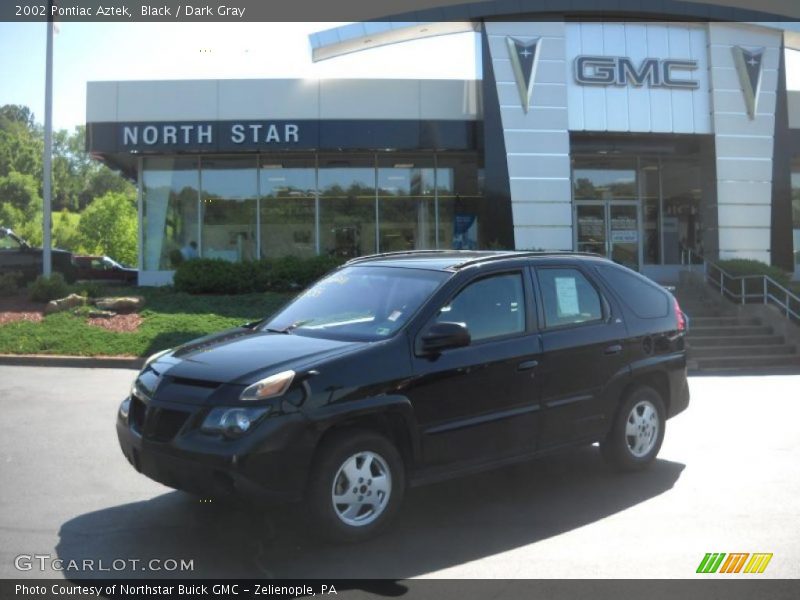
[{"x": 246, "y": 355}]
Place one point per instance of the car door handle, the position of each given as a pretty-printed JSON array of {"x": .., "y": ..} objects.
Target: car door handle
[
  {"x": 527, "y": 365},
  {"x": 613, "y": 349}
]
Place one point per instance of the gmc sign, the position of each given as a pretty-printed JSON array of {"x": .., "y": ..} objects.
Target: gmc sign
[{"x": 621, "y": 71}]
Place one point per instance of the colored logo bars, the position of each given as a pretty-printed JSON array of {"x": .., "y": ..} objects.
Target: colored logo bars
[{"x": 735, "y": 562}]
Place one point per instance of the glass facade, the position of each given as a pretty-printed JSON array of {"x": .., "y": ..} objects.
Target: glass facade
[
  {"x": 229, "y": 192},
  {"x": 644, "y": 210},
  {"x": 406, "y": 203},
  {"x": 288, "y": 206},
  {"x": 345, "y": 205},
  {"x": 170, "y": 210},
  {"x": 796, "y": 211}
]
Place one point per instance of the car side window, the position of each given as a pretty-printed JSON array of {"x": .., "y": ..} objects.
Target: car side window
[
  {"x": 490, "y": 307},
  {"x": 645, "y": 298},
  {"x": 8, "y": 243},
  {"x": 568, "y": 298}
]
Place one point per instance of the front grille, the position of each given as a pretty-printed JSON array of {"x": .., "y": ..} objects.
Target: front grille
[
  {"x": 156, "y": 423},
  {"x": 166, "y": 423}
]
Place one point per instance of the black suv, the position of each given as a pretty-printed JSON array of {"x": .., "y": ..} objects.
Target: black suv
[
  {"x": 18, "y": 256},
  {"x": 403, "y": 369}
]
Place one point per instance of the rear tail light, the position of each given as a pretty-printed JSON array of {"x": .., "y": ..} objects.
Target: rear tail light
[{"x": 679, "y": 316}]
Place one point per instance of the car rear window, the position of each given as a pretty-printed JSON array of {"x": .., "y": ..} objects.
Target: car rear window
[{"x": 643, "y": 297}]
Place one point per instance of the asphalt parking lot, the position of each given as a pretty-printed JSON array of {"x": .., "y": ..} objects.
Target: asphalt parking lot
[{"x": 727, "y": 480}]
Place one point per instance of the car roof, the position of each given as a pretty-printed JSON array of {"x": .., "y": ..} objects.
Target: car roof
[{"x": 454, "y": 260}]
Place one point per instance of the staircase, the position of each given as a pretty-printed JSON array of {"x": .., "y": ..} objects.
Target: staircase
[{"x": 726, "y": 337}]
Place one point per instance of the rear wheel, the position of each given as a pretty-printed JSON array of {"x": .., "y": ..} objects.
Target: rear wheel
[
  {"x": 638, "y": 431},
  {"x": 356, "y": 485}
]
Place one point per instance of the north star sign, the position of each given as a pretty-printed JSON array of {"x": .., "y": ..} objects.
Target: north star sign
[
  {"x": 622, "y": 71},
  {"x": 199, "y": 134}
]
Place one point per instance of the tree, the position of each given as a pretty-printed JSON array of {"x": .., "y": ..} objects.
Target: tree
[
  {"x": 109, "y": 226},
  {"x": 21, "y": 190},
  {"x": 66, "y": 233},
  {"x": 16, "y": 113},
  {"x": 102, "y": 181}
]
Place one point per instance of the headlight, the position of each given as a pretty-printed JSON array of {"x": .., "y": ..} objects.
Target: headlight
[
  {"x": 233, "y": 422},
  {"x": 125, "y": 409},
  {"x": 154, "y": 357},
  {"x": 269, "y": 387}
]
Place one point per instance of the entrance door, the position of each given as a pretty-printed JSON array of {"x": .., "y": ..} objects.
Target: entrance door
[{"x": 609, "y": 228}]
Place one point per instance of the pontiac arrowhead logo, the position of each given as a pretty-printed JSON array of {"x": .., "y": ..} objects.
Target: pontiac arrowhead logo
[
  {"x": 524, "y": 58},
  {"x": 748, "y": 66}
]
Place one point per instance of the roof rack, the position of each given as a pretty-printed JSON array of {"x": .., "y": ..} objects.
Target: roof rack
[
  {"x": 396, "y": 253},
  {"x": 476, "y": 256},
  {"x": 522, "y": 254}
]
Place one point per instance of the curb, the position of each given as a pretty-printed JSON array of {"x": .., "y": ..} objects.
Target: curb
[{"x": 85, "y": 362}]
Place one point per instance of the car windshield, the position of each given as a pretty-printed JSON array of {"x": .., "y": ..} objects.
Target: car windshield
[{"x": 360, "y": 303}]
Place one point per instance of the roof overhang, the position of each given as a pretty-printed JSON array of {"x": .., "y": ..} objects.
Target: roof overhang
[{"x": 372, "y": 34}]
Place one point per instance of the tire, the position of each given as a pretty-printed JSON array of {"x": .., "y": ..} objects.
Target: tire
[
  {"x": 638, "y": 431},
  {"x": 365, "y": 471}
]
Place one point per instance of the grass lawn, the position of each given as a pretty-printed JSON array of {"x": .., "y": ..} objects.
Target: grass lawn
[{"x": 169, "y": 319}]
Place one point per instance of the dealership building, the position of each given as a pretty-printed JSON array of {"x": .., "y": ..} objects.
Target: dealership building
[{"x": 645, "y": 137}]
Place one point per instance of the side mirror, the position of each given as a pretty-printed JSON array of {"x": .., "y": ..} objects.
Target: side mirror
[{"x": 444, "y": 336}]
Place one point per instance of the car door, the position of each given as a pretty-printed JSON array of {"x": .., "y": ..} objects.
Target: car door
[
  {"x": 583, "y": 351},
  {"x": 481, "y": 401},
  {"x": 14, "y": 256}
]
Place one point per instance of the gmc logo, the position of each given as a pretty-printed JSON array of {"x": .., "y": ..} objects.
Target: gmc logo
[{"x": 620, "y": 70}]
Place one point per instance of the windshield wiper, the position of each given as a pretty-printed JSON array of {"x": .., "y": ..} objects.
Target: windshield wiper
[{"x": 289, "y": 328}]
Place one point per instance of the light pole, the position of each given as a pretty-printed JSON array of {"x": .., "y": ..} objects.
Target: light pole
[{"x": 47, "y": 259}]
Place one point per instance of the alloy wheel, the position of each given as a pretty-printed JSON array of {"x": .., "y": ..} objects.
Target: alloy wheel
[
  {"x": 641, "y": 428},
  {"x": 361, "y": 489}
]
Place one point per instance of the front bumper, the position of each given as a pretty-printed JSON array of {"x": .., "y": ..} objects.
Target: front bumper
[{"x": 270, "y": 462}]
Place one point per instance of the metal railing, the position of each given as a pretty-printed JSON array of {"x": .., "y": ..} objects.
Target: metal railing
[{"x": 744, "y": 289}]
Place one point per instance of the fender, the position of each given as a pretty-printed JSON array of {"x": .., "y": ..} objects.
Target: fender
[{"x": 330, "y": 415}]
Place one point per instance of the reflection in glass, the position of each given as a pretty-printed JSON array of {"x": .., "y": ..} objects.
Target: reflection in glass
[
  {"x": 170, "y": 200},
  {"x": 347, "y": 205},
  {"x": 287, "y": 206},
  {"x": 796, "y": 211},
  {"x": 649, "y": 185},
  {"x": 299, "y": 204},
  {"x": 592, "y": 228},
  {"x": 624, "y": 230},
  {"x": 681, "y": 219},
  {"x": 229, "y": 208},
  {"x": 406, "y": 203},
  {"x": 604, "y": 179},
  {"x": 463, "y": 214}
]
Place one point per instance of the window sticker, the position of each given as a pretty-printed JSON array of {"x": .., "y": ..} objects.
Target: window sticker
[
  {"x": 395, "y": 315},
  {"x": 567, "y": 297}
]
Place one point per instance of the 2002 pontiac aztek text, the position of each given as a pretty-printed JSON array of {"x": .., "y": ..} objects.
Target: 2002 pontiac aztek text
[{"x": 401, "y": 369}]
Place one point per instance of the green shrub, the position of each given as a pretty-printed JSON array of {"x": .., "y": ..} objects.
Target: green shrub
[
  {"x": 91, "y": 289},
  {"x": 44, "y": 289},
  {"x": 744, "y": 266},
  {"x": 217, "y": 276},
  {"x": 9, "y": 283},
  {"x": 207, "y": 276}
]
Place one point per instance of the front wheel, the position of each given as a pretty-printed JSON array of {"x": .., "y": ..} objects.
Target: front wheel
[
  {"x": 356, "y": 485},
  {"x": 638, "y": 431}
]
